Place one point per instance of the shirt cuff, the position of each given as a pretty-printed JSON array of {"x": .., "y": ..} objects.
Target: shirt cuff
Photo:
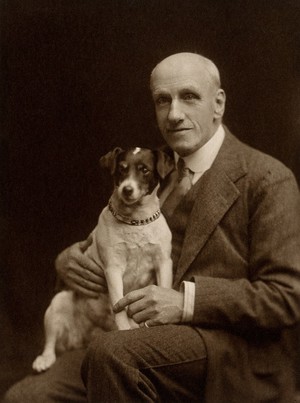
[{"x": 188, "y": 289}]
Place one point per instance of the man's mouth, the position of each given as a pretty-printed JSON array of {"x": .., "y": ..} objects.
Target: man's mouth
[{"x": 178, "y": 130}]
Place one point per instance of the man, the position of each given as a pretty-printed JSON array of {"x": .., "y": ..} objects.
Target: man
[{"x": 224, "y": 333}]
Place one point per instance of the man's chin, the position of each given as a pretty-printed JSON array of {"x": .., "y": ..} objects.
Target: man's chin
[{"x": 182, "y": 149}]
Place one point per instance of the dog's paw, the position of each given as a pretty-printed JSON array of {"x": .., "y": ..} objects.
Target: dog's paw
[
  {"x": 123, "y": 326},
  {"x": 133, "y": 324},
  {"x": 122, "y": 321},
  {"x": 126, "y": 324},
  {"x": 43, "y": 362}
]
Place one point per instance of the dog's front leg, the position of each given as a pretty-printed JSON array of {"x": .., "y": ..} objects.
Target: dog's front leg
[
  {"x": 114, "y": 279},
  {"x": 164, "y": 272}
]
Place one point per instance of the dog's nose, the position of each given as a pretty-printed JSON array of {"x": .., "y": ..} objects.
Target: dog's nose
[{"x": 127, "y": 190}]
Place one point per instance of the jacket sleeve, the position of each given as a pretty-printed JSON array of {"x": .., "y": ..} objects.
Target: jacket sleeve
[{"x": 270, "y": 296}]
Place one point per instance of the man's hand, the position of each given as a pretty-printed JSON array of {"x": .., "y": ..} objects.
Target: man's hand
[
  {"x": 154, "y": 305},
  {"x": 79, "y": 272}
]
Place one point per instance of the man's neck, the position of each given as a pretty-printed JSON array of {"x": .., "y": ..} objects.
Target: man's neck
[{"x": 202, "y": 159}]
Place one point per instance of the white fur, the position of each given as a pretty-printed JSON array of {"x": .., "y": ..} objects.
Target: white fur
[
  {"x": 136, "y": 150},
  {"x": 132, "y": 257}
]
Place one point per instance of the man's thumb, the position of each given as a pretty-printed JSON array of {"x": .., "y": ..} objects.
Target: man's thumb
[{"x": 83, "y": 245}]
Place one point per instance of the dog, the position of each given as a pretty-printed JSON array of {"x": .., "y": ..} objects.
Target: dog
[{"x": 132, "y": 245}]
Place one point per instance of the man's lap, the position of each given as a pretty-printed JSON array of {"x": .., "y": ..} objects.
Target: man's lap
[
  {"x": 168, "y": 361},
  {"x": 61, "y": 383},
  {"x": 155, "y": 346},
  {"x": 162, "y": 346}
]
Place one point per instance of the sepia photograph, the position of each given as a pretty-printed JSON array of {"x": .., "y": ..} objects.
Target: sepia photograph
[{"x": 150, "y": 205}]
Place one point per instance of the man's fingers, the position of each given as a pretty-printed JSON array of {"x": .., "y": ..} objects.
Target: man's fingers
[
  {"x": 88, "y": 270},
  {"x": 84, "y": 291},
  {"x": 83, "y": 245},
  {"x": 143, "y": 316},
  {"x": 136, "y": 307},
  {"x": 79, "y": 272},
  {"x": 88, "y": 275},
  {"x": 85, "y": 283},
  {"x": 149, "y": 323},
  {"x": 84, "y": 262},
  {"x": 121, "y": 304},
  {"x": 130, "y": 298},
  {"x": 153, "y": 305}
]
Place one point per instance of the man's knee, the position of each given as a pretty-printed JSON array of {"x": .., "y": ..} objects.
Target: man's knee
[
  {"x": 108, "y": 349},
  {"x": 61, "y": 382},
  {"x": 12, "y": 396},
  {"x": 23, "y": 391},
  {"x": 105, "y": 346}
]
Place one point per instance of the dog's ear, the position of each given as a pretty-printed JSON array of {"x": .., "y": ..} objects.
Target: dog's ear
[
  {"x": 165, "y": 164},
  {"x": 109, "y": 160}
]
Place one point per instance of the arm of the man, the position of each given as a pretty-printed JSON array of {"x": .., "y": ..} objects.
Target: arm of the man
[
  {"x": 77, "y": 271},
  {"x": 270, "y": 296}
]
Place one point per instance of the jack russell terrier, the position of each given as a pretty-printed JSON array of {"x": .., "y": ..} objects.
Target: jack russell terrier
[{"x": 131, "y": 243}]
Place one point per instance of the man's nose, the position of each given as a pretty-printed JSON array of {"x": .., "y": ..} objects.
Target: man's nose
[{"x": 175, "y": 113}]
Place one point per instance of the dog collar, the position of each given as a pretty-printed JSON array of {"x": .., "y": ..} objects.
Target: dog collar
[{"x": 129, "y": 221}]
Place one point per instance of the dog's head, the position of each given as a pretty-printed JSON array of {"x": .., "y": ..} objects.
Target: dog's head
[{"x": 136, "y": 171}]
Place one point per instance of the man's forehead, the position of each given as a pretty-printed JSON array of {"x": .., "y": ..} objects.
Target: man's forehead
[
  {"x": 175, "y": 83},
  {"x": 184, "y": 66},
  {"x": 179, "y": 71},
  {"x": 164, "y": 80}
]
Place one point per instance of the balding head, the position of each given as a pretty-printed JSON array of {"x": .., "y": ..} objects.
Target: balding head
[
  {"x": 188, "y": 100},
  {"x": 184, "y": 62}
]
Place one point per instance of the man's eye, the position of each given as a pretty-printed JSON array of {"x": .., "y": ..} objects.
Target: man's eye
[
  {"x": 190, "y": 97},
  {"x": 162, "y": 100}
]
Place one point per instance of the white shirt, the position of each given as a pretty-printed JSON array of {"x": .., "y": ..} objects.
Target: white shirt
[{"x": 199, "y": 162}]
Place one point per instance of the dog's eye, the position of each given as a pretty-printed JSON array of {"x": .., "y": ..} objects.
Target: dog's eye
[
  {"x": 144, "y": 170},
  {"x": 123, "y": 168}
]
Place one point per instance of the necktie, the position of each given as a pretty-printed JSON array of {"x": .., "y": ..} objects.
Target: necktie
[{"x": 181, "y": 187}]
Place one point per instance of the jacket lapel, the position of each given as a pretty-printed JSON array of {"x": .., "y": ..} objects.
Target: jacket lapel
[{"x": 213, "y": 195}]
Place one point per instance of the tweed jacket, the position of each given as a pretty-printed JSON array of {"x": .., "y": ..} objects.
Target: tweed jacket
[{"x": 241, "y": 247}]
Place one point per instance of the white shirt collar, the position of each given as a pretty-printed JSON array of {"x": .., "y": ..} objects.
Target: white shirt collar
[{"x": 202, "y": 159}]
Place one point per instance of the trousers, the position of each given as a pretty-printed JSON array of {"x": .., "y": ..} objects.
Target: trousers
[{"x": 158, "y": 364}]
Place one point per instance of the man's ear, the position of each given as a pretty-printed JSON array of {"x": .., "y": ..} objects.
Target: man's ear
[
  {"x": 109, "y": 160},
  {"x": 164, "y": 163},
  {"x": 220, "y": 101}
]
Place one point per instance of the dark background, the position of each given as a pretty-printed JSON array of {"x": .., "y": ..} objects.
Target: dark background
[{"x": 74, "y": 84}]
